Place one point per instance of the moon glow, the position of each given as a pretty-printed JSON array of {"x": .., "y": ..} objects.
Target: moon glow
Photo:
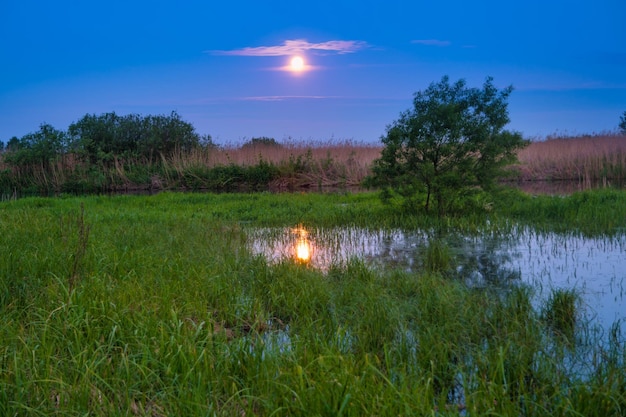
[{"x": 297, "y": 64}]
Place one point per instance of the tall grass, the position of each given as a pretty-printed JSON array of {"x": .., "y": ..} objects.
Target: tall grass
[
  {"x": 589, "y": 160},
  {"x": 167, "y": 313},
  {"x": 313, "y": 165}
]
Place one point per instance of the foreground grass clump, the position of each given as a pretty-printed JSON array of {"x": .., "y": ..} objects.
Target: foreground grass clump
[
  {"x": 154, "y": 306},
  {"x": 560, "y": 312}
]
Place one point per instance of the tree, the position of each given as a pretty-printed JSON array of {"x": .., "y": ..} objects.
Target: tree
[
  {"x": 39, "y": 149},
  {"x": 165, "y": 135},
  {"x": 97, "y": 138},
  {"x": 105, "y": 138},
  {"x": 622, "y": 124},
  {"x": 451, "y": 144},
  {"x": 261, "y": 142},
  {"x": 13, "y": 144}
]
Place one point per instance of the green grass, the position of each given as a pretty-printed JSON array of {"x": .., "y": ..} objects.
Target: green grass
[
  {"x": 593, "y": 212},
  {"x": 154, "y": 306}
]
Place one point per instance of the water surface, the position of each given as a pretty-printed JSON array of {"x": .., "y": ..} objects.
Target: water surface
[{"x": 595, "y": 267}]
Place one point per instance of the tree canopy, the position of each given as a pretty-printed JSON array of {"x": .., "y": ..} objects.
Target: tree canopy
[
  {"x": 102, "y": 138},
  {"x": 451, "y": 144},
  {"x": 38, "y": 148}
]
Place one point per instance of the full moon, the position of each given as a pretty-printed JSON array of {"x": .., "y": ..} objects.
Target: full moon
[{"x": 297, "y": 64}]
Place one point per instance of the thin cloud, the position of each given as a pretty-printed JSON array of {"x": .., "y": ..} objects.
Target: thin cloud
[
  {"x": 306, "y": 68},
  {"x": 296, "y": 46},
  {"x": 432, "y": 42}
]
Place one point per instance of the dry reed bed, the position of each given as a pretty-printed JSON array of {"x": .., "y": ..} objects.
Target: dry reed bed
[
  {"x": 586, "y": 159},
  {"x": 315, "y": 164},
  {"x": 599, "y": 158},
  {"x": 589, "y": 158}
]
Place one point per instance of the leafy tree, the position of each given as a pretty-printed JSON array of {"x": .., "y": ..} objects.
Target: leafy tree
[
  {"x": 164, "y": 135},
  {"x": 97, "y": 138},
  {"x": 102, "y": 139},
  {"x": 37, "y": 149},
  {"x": 206, "y": 142},
  {"x": 13, "y": 144},
  {"x": 451, "y": 144},
  {"x": 622, "y": 124}
]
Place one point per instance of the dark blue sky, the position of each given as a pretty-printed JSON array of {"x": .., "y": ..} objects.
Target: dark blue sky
[{"x": 223, "y": 66}]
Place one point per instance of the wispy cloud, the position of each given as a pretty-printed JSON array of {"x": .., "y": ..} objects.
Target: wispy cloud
[
  {"x": 296, "y": 46},
  {"x": 432, "y": 42}
]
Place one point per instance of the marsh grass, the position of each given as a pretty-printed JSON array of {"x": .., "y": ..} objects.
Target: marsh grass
[
  {"x": 587, "y": 212},
  {"x": 589, "y": 160},
  {"x": 77, "y": 245},
  {"x": 172, "y": 315},
  {"x": 438, "y": 257},
  {"x": 561, "y": 312}
]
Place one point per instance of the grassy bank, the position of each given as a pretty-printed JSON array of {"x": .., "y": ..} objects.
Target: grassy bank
[
  {"x": 588, "y": 161},
  {"x": 154, "y": 306}
]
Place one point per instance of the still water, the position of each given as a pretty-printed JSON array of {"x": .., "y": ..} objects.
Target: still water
[{"x": 594, "y": 267}]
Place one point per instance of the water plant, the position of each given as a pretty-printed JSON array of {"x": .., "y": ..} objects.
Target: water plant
[
  {"x": 561, "y": 312},
  {"x": 437, "y": 257}
]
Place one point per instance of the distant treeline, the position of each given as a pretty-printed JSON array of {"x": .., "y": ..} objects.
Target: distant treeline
[
  {"x": 111, "y": 152},
  {"x": 105, "y": 139},
  {"x": 99, "y": 153}
]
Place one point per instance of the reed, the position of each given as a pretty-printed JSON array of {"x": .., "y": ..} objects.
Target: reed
[
  {"x": 300, "y": 165},
  {"x": 591, "y": 160}
]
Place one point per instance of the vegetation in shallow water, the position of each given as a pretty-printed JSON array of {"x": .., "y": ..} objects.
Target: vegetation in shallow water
[
  {"x": 154, "y": 306},
  {"x": 588, "y": 212}
]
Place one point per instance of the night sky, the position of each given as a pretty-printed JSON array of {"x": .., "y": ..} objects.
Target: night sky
[{"x": 225, "y": 66}]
